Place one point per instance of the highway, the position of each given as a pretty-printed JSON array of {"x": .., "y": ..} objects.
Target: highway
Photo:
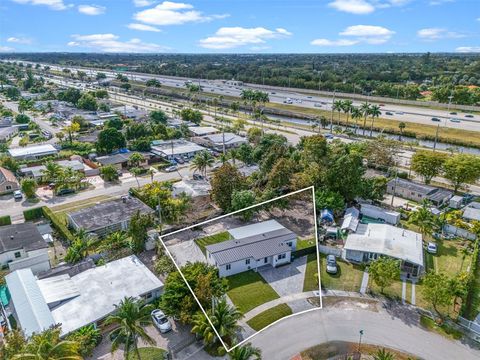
[{"x": 298, "y": 98}]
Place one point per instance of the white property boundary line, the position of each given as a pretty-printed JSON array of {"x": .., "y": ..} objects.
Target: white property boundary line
[{"x": 312, "y": 188}]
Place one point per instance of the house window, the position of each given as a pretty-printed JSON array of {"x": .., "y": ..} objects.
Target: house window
[
  {"x": 247, "y": 261},
  {"x": 228, "y": 267},
  {"x": 265, "y": 260},
  {"x": 281, "y": 256},
  {"x": 289, "y": 244},
  {"x": 18, "y": 254},
  {"x": 8, "y": 187}
]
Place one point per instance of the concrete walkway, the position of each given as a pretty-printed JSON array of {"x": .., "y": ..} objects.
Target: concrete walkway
[
  {"x": 413, "y": 294},
  {"x": 404, "y": 291},
  {"x": 363, "y": 287}
]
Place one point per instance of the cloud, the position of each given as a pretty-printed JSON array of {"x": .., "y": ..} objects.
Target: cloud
[
  {"x": 339, "y": 42},
  {"x": 110, "y": 43},
  {"x": 19, "y": 40},
  {"x": 91, "y": 9},
  {"x": 438, "y": 33},
  {"x": 6, "y": 49},
  {"x": 52, "y": 4},
  {"x": 172, "y": 13},
  {"x": 357, "y": 34},
  {"x": 352, "y": 6},
  {"x": 143, "y": 3},
  {"x": 233, "y": 37},
  {"x": 439, "y": 2},
  {"x": 143, "y": 27},
  {"x": 468, "y": 49}
]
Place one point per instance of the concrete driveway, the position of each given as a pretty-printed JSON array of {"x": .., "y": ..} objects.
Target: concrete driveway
[{"x": 286, "y": 279}]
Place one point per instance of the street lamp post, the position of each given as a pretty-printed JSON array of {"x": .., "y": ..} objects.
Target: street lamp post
[{"x": 360, "y": 340}]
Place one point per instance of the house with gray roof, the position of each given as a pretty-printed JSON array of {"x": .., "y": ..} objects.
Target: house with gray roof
[
  {"x": 107, "y": 217},
  {"x": 418, "y": 192},
  {"x": 8, "y": 182},
  {"x": 250, "y": 247}
]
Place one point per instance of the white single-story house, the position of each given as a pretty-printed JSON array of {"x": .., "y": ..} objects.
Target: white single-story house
[
  {"x": 378, "y": 213},
  {"x": 33, "y": 152},
  {"x": 38, "y": 172},
  {"x": 202, "y": 130},
  {"x": 373, "y": 240},
  {"x": 169, "y": 149},
  {"x": 215, "y": 141},
  {"x": 266, "y": 243},
  {"x": 418, "y": 192},
  {"x": 78, "y": 300}
]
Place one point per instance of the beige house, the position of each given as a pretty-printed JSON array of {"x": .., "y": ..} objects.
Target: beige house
[{"x": 8, "y": 182}]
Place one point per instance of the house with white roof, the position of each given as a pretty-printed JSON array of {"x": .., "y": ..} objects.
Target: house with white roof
[
  {"x": 370, "y": 241},
  {"x": 266, "y": 243},
  {"x": 33, "y": 152},
  {"x": 79, "y": 300}
]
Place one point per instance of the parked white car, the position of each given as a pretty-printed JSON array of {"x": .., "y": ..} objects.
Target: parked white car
[
  {"x": 432, "y": 248},
  {"x": 161, "y": 321},
  {"x": 17, "y": 195}
]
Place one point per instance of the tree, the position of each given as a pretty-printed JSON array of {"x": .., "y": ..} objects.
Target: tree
[
  {"x": 100, "y": 76},
  {"x": 423, "y": 218},
  {"x": 241, "y": 200},
  {"x": 437, "y": 290},
  {"x": 109, "y": 140},
  {"x": 384, "y": 271},
  {"x": 356, "y": 114},
  {"x": 338, "y": 106},
  {"x": 365, "y": 109},
  {"x": 29, "y": 187},
  {"x": 224, "y": 182},
  {"x": 22, "y": 119},
  {"x": 137, "y": 229},
  {"x": 461, "y": 169},
  {"x": 88, "y": 338},
  {"x": 427, "y": 164},
  {"x": 136, "y": 172},
  {"x": 347, "y": 106},
  {"x": 158, "y": 117},
  {"x": 245, "y": 352},
  {"x": 201, "y": 162},
  {"x": 153, "y": 83},
  {"x": 374, "y": 113},
  {"x": 129, "y": 319},
  {"x": 115, "y": 123},
  {"x": 325, "y": 199},
  {"x": 72, "y": 129},
  {"x": 191, "y": 115},
  {"x": 13, "y": 93},
  {"x": 125, "y": 86},
  {"x": 87, "y": 102},
  {"x": 52, "y": 171},
  {"x": 401, "y": 126},
  {"x": 383, "y": 354},
  {"x": 109, "y": 173},
  {"x": 136, "y": 159}
]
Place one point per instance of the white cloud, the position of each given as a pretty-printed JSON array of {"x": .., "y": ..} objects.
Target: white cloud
[
  {"x": 232, "y": 37},
  {"x": 440, "y": 2},
  {"x": 468, "y": 49},
  {"x": 143, "y": 3},
  {"x": 6, "y": 49},
  {"x": 352, "y": 6},
  {"x": 19, "y": 40},
  {"x": 110, "y": 43},
  {"x": 91, "y": 9},
  {"x": 437, "y": 33},
  {"x": 339, "y": 42},
  {"x": 53, "y": 4},
  {"x": 369, "y": 33},
  {"x": 143, "y": 27},
  {"x": 172, "y": 13}
]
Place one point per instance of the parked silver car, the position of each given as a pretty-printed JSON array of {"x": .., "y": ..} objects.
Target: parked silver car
[
  {"x": 331, "y": 264},
  {"x": 161, "y": 321}
]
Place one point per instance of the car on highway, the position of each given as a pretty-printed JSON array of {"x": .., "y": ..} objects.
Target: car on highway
[
  {"x": 399, "y": 113},
  {"x": 317, "y": 105},
  {"x": 453, "y": 113},
  {"x": 436, "y": 119},
  {"x": 455, "y": 120},
  {"x": 63, "y": 192},
  {"x": 273, "y": 93},
  {"x": 161, "y": 321},
  {"x": 288, "y": 101},
  {"x": 17, "y": 195},
  {"x": 331, "y": 264},
  {"x": 469, "y": 116},
  {"x": 388, "y": 113},
  {"x": 171, "y": 168},
  {"x": 432, "y": 248}
]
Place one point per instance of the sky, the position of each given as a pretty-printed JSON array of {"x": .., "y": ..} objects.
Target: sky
[{"x": 240, "y": 26}]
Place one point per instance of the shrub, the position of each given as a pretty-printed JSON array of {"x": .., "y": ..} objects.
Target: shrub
[
  {"x": 5, "y": 220},
  {"x": 33, "y": 214},
  {"x": 58, "y": 224}
]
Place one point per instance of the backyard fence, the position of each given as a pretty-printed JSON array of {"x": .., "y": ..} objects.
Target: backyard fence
[
  {"x": 328, "y": 250},
  {"x": 472, "y": 326}
]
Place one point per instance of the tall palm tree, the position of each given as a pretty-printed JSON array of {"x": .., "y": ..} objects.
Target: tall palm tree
[
  {"x": 402, "y": 127},
  {"x": 234, "y": 155},
  {"x": 356, "y": 114},
  {"x": 245, "y": 352},
  {"x": 52, "y": 171},
  {"x": 423, "y": 219},
  {"x": 347, "y": 109},
  {"x": 338, "y": 106},
  {"x": 365, "y": 109},
  {"x": 201, "y": 162},
  {"x": 129, "y": 319},
  {"x": 374, "y": 113}
]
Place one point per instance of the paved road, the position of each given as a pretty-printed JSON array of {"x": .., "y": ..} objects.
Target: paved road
[{"x": 293, "y": 335}]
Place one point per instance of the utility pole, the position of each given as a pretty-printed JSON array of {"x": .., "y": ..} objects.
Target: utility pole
[
  {"x": 159, "y": 208},
  {"x": 394, "y": 186},
  {"x": 436, "y": 137},
  {"x": 360, "y": 340},
  {"x": 331, "y": 117}
]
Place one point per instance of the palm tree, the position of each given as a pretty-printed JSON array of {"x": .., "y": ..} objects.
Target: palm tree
[
  {"x": 52, "y": 171},
  {"x": 347, "y": 109},
  {"x": 383, "y": 354},
  {"x": 374, "y": 113},
  {"x": 245, "y": 352},
  {"x": 365, "y": 109},
  {"x": 338, "y": 106},
  {"x": 201, "y": 162},
  {"x": 129, "y": 319},
  {"x": 402, "y": 127},
  {"x": 136, "y": 159},
  {"x": 136, "y": 171},
  {"x": 356, "y": 114},
  {"x": 234, "y": 155},
  {"x": 423, "y": 219}
]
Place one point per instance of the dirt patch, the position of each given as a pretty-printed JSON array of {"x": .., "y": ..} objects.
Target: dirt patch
[{"x": 346, "y": 303}]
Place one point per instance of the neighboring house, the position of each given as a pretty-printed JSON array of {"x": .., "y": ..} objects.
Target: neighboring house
[
  {"x": 6, "y": 121},
  {"x": 192, "y": 188},
  {"x": 107, "y": 217},
  {"x": 267, "y": 243},
  {"x": 121, "y": 161},
  {"x": 22, "y": 246},
  {"x": 6, "y": 133},
  {"x": 456, "y": 202},
  {"x": 38, "y": 172},
  {"x": 418, "y": 192},
  {"x": 8, "y": 182},
  {"x": 373, "y": 240},
  {"x": 378, "y": 213},
  {"x": 130, "y": 112},
  {"x": 33, "y": 152},
  {"x": 470, "y": 213},
  {"x": 247, "y": 170},
  {"x": 350, "y": 220},
  {"x": 216, "y": 141},
  {"x": 202, "y": 130},
  {"x": 169, "y": 149},
  {"x": 79, "y": 300}
]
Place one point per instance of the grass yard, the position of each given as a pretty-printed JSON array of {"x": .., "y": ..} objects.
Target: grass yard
[
  {"x": 303, "y": 244},
  {"x": 148, "y": 353},
  {"x": 348, "y": 277},
  {"x": 310, "y": 282},
  {"x": 269, "y": 316},
  {"x": 248, "y": 290},
  {"x": 443, "y": 330},
  {"x": 212, "y": 239}
]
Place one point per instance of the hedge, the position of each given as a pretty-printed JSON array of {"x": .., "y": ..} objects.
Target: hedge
[
  {"x": 305, "y": 251},
  {"x": 33, "y": 214},
  {"x": 5, "y": 220},
  {"x": 58, "y": 224}
]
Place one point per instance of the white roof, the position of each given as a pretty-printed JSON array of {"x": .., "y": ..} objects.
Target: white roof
[
  {"x": 58, "y": 288},
  {"x": 471, "y": 213},
  {"x": 255, "y": 229},
  {"x": 387, "y": 240},
  {"x": 230, "y": 138},
  {"x": 374, "y": 208},
  {"x": 203, "y": 130},
  {"x": 101, "y": 288},
  {"x": 179, "y": 147},
  {"x": 191, "y": 187},
  {"x": 32, "y": 150},
  {"x": 32, "y": 311}
]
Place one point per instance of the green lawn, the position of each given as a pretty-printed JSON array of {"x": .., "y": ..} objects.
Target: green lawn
[
  {"x": 348, "y": 277},
  {"x": 269, "y": 316},
  {"x": 302, "y": 244},
  {"x": 248, "y": 290},
  {"x": 212, "y": 239},
  {"x": 310, "y": 282},
  {"x": 443, "y": 330},
  {"x": 148, "y": 353}
]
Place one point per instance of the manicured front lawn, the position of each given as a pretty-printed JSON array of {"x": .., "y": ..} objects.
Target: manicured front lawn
[
  {"x": 310, "y": 282},
  {"x": 148, "y": 353},
  {"x": 212, "y": 239},
  {"x": 302, "y": 244},
  {"x": 269, "y": 316},
  {"x": 248, "y": 290},
  {"x": 348, "y": 277}
]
